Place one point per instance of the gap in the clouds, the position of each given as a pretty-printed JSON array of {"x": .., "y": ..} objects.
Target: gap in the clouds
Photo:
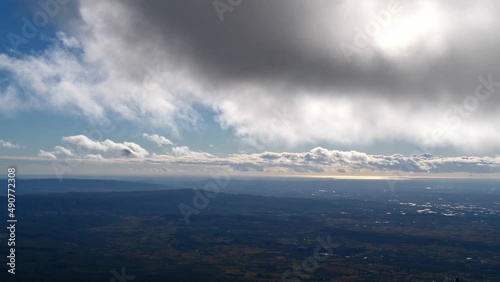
[
  {"x": 207, "y": 135},
  {"x": 36, "y": 130},
  {"x": 12, "y": 14},
  {"x": 5, "y": 77}
]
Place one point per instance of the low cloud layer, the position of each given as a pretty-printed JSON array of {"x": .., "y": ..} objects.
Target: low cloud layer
[
  {"x": 319, "y": 160},
  {"x": 9, "y": 145}
]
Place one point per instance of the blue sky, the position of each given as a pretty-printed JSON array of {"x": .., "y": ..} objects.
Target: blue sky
[{"x": 331, "y": 96}]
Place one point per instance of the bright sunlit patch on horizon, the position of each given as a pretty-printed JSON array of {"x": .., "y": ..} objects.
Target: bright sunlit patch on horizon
[
  {"x": 361, "y": 177},
  {"x": 402, "y": 177}
]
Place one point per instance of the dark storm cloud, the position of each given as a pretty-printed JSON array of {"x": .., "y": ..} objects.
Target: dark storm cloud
[{"x": 280, "y": 41}]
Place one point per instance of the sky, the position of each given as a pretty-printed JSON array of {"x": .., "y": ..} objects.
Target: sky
[{"x": 269, "y": 88}]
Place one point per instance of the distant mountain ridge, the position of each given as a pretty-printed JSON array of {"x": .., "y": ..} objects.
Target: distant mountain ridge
[{"x": 35, "y": 186}]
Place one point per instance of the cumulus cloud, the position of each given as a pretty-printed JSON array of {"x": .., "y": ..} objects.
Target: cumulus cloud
[
  {"x": 8, "y": 145},
  {"x": 63, "y": 151},
  {"x": 126, "y": 149},
  {"x": 321, "y": 155},
  {"x": 185, "y": 151},
  {"x": 57, "y": 151},
  {"x": 93, "y": 157},
  {"x": 160, "y": 141},
  {"x": 68, "y": 41},
  {"x": 45, "y": 154}
]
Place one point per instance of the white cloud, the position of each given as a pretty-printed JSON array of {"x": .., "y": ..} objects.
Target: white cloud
[
  {"x": 62, "y": 151},
  {"x": 57, "y": 151},
  {"x": 93, "y": 157},
  {"x": 84, "y": 82},
  {"x": 8, "y": 145},
  {"x": 185, "y": 151},
  {"x": 126, "y": 149},
  {"x": 44, "y": 154},
  {"x": 160, "y": 141},
  {"x": 68, "y": 41}
]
